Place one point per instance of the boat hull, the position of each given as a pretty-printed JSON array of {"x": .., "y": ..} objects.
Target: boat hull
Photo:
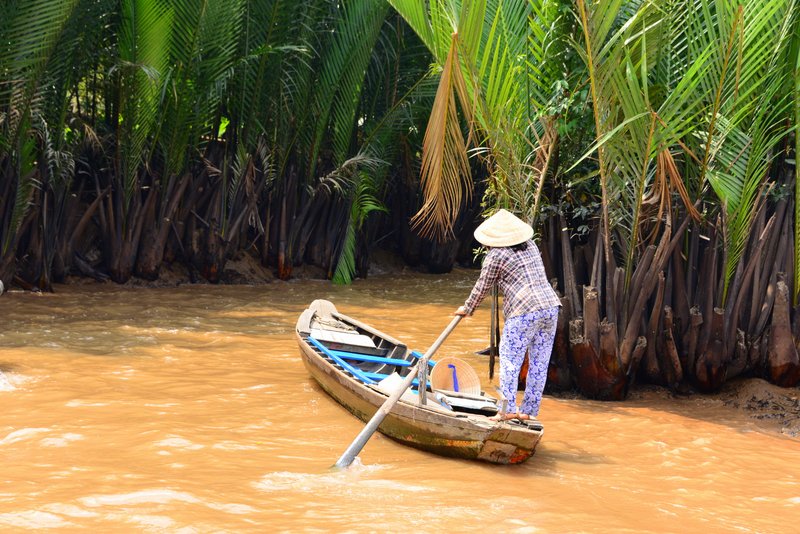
[{"x": 457, "y": 435}]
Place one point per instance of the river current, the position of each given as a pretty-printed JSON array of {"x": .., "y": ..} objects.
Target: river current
[{"x": 188, "y": 409}]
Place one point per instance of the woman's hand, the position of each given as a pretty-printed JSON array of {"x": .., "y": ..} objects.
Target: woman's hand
[{"x": 461, "y": 311}]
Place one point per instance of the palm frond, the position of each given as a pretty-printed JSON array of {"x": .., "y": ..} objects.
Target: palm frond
[
  {"x": 416, "y": 14},
  {"x": 143, "y": 61},
  {"x": 445, "y": 172},
  {"x": 344, "y": 177},
  {"x": 363, "y": 203},
  {"x": 346, "y": 264},
  {"x": 25, "y": 169},
  {"x": 29, "y": 36},
  {"x": 738, "y": 173},
  {"x": 508, "y": 56},
  {"x": 344, "y": 66},
  {"x": 202, "y": 54}
]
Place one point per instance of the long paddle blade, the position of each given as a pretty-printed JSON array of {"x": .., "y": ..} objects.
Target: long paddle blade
[{"x": 352, "y": 451}]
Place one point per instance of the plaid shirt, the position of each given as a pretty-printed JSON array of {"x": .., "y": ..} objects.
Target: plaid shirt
[{"x": 520, "y": 276}]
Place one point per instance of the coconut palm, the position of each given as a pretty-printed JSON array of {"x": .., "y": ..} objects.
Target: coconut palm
[{"x": 496, "y": 63}]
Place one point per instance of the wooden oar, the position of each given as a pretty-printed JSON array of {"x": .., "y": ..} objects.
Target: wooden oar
[
  {"x": 494, "y": 332},
  {"x": 352, "y": 451}
]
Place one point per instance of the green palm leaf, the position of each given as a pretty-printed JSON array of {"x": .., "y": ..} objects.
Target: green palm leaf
[
  {"x": 344, "y": 65},
  {"x": 26, "y": 165},
  {"x": 143, "y": 60},
  {"x": 202, "y": 54},
  {"x": 365, "y": 202},
  {"x": 29, "y": 35}
]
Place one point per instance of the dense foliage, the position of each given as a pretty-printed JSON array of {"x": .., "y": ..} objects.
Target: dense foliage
[
  {"x": 136, "y": 132},
  {"x": 653, "y": 144}
]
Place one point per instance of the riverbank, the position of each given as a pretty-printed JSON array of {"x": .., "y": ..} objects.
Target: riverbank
[
  {"x": 769, "y": 407},
  {"x": 247, "y": 269}
]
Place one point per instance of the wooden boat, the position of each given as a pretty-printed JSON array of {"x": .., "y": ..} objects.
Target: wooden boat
[{"x": 359, "y": 366}]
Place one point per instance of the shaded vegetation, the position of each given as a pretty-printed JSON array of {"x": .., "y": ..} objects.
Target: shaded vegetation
[
  {"x": 145, "y": 132},
  {"x": 652, "y": 145}
]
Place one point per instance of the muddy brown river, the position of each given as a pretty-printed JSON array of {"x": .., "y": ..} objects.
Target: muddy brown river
[{"x": 188, "y": 409}]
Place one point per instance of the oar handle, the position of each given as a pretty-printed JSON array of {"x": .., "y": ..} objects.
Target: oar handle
[
  {"x": 441, "y": 338},
  {"x": 422, "y": 366},
  {"x": 352, "y": 451},
  {"x": 494, "y": 334}
]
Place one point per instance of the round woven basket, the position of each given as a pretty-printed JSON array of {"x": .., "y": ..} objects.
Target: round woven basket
[{"x": 453, "y": 374}]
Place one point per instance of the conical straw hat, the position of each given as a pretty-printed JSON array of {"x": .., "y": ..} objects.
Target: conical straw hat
[
  {"x": 503, "y": 229},
  {"x": 452, "y": 374}
]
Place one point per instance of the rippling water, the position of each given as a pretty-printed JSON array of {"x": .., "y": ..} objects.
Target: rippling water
[{"x": 188, "y": 410}]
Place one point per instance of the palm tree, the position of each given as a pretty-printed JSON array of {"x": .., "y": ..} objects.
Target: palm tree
[
  {"x": 675, "y": 115},
  {"x": 193, "y": 126},
  {"x": 41, "y": 42}
]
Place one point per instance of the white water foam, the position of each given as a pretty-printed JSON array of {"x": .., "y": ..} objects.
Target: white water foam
[
  {"x": 350, "y": 478},
  {"x": 5, "y": 385},
  {"x": 22, "y": 434},
  {"x": 34, "y": 519},
  {"x": 157, "y": 496},
  {"x": 61, "y": 441}
]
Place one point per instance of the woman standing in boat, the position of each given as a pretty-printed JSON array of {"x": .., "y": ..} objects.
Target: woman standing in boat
[{"x": 530, "y": 307}]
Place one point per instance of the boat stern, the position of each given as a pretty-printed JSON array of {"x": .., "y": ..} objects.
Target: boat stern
[{"x": 510, "y": 445}]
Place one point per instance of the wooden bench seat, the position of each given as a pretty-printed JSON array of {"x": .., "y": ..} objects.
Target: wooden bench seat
[{"x": 369, "y": 358}]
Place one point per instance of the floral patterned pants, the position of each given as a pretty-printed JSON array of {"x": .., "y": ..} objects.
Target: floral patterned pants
[{"x": 534, "y": 332}]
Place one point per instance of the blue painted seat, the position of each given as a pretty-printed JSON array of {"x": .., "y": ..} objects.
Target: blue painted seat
[
  {"x": 356, "y": 372},
  {"x": 341, "y": 358},
  {"x": 345, "y": 355},
  {"x": 416, "y": 354}
]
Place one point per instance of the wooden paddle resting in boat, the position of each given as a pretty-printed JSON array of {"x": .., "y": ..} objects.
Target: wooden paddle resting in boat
[{"x": 360, "y": 367}]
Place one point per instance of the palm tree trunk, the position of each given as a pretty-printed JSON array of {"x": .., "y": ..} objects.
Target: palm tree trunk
[
  {"x": 559, "y": 377},
  {"x": 783, "y": 364},
  {"x": 671, "y": 368},
  {"x": 711, "y": 365},
  {"x": 157, "y": 222}
]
